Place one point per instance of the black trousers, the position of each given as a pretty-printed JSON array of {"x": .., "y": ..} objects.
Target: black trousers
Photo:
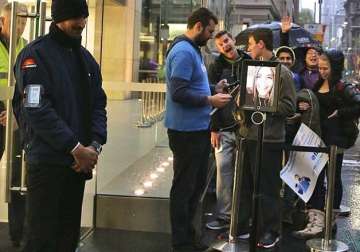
[
  {"x": 191, "y": 155},
  {"x": 318, "y": 197},
  {"x": 270, "y": 185},
  {"x": 54, "y": 203}
]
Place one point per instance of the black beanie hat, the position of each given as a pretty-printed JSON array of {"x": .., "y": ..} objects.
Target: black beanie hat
[{"x": 66, "y": 9}]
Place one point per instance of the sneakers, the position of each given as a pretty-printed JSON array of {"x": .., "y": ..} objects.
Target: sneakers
[
  {"x": 268, "y": 240},
  {"x": 218, "y": 224},
  {"x": 315, "y": 226},
  {"x": 243, "y": 236},
  {"x": 226, "y": 236}
]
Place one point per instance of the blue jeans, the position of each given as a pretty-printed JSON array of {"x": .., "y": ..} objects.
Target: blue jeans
[{"x": 225, "y": 166}]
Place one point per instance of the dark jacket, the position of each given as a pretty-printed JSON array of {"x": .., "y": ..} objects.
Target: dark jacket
[
  {"x": 224, "y": 68},
  {"x": 343, "y": 97},
  {"x": 51, "y": 130}
]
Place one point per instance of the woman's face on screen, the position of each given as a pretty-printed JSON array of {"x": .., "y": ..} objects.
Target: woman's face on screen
[{"x": 264, "y": 81}]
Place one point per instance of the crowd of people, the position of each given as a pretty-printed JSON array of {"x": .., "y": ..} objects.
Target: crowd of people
[{"x": 315, "y": 96}]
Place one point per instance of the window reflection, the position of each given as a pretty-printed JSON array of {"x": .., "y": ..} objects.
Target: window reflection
[{"x": 161, "y": 22}]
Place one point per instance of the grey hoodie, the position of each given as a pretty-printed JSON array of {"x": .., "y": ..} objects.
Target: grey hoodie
[{"x": 310, "y": 117}]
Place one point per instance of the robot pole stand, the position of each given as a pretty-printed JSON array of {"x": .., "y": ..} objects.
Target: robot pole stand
[
  {"x": 232, "y": 245},
  {"x": 258, "y": 118},
  {"x": 238, "y": 178},
  {"x": 327, "y": 244}
]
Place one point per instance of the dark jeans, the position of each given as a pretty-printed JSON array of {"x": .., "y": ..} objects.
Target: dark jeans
[
  {"x": 191, "y": 154},
  {"x": 270, "y": 185},
  {"x": 54, "y": 204},
  {"x": 317, "y": 200},
  {"x": 290, "y": 200}
]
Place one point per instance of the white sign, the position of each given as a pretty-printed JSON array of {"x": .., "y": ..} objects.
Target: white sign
[{"x": 303, "y": 168}]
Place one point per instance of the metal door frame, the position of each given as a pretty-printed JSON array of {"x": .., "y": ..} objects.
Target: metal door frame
[{"x": 40, "y": 17}]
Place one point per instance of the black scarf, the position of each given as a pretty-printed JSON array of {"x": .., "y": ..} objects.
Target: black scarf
[
  {"x": 83, "y": 88},
  {"x": 63, "y": 39}
]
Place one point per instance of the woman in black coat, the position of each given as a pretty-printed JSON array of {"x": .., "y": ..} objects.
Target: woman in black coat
[{"x": 339, "y": 108}]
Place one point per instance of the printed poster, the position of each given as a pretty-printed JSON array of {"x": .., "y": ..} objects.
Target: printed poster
[{"x": 303, "y": 168}]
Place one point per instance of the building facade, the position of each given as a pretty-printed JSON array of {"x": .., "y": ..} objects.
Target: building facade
[
  {"x": 333, "y": 16},
  {"x": 351, "y": 37},
  {"x": 352, "y": 24},
  {"x": 245, "y": 13}
]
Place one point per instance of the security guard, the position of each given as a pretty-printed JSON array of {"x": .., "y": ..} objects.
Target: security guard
[
  {"x": 16, "y": 208},
  {"x": 60, "y": 105}
]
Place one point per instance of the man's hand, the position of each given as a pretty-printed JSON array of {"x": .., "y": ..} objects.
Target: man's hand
[
  {"x": 303, "y": 106},
  {"x": 85, "y": 159},
  {"x": 285, "y": 24},
  {"x": 3, "y": 118},
  {"x": 219, "y": 100},
  {"x": 215, "y": 139},
  {"x": 220, "y": 86}
]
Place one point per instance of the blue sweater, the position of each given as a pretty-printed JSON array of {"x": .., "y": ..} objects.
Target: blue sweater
[{"x": 187, "y": 108}]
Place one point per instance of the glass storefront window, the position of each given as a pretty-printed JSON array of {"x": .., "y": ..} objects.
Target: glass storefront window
[
  {"x": 135, "y": 36},
  {"x": 161, "y": 22}
]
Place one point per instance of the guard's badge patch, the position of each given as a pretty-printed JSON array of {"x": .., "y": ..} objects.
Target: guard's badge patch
[
  {"x": 32, "y": 96},
  {"x": 28, "y": 63}
]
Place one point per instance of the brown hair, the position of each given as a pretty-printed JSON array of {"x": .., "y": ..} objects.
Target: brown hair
[
  {"x": 202, "y": 15},
  {"x": 265, "y": 35},
  {"x": 222, "y": 33}
]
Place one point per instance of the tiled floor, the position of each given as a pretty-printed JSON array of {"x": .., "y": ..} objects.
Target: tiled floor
[{"x": 126, "y": 145}]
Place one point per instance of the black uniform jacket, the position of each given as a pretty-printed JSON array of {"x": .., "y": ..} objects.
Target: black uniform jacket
[{"x": 51, "y": 130}]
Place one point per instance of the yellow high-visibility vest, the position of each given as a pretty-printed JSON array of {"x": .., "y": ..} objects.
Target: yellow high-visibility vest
[{"x": 4, "y": 60}]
